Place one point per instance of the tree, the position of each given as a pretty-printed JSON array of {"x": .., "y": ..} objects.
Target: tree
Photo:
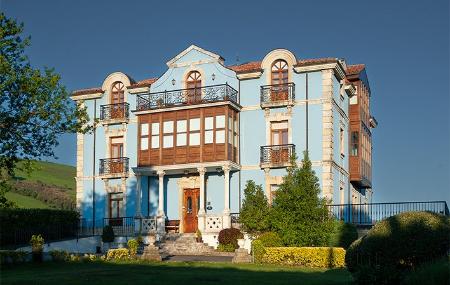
[
  {"x": 35, "y": 107},
  {"x": 299, "y": 215},
  {"x": 255, "y": 212}
]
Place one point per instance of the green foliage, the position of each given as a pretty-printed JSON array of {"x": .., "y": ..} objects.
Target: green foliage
[
  {"x": 226, "y": 247},
  {"x": 50, "y": 195},
  {"x": 270, "y": 239},
  {"x": 132, "y": 247},
  {"x": 59, "y": 255},
  {"x": 118, "y": 254},
  {"x": 434, "y": 273},
  {"x": 258, "y": 250},
  {"x": 12, "y": 256},
  {"x": 254, "y": 215},
  {"x": 343, "y": 234},
  {"x": 398, "y": 245},
  {"x": 52, "y": 224},
  {"x": 230, "y": 236},
  {"x": 299, "y": 216},
  {"x": 325, "y": 257},
  {"x": 25, "y": 202},
  {"x": 198, "y": 234},
  {"x": 108, "y": 234},
  {"x": 37, "y": 243},
  {"x": 36, "y": 108}
]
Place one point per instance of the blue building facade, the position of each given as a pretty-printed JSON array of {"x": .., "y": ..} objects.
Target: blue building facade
[{"x": 179, "y": 149}]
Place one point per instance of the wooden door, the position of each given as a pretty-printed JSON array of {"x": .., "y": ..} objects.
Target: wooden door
[
  {"x": 279, "y": 89},
  {"x": 280, "y": 151},
  {"x": 116, "y": 164},
  {"x": 117, "y": 100},
  {"x": 194, "y": 84},
  {"x": 191, "y": 203}
]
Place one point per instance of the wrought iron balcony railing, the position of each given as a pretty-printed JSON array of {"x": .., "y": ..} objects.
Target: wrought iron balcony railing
[
  {"x": 276, "y": 155},
  {"x": 190, "y": 96},
  {"x": 278, "y": 94},
  {"x": 114, "y": 111},
  {"x": 118, "y": 165}
]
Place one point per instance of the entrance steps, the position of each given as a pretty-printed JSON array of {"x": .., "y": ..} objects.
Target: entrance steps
[{"x": 186, "y": 244}]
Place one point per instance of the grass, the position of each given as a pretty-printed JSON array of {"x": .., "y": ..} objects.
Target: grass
[
  {"x": 168, "y": 273},
  {"x": 25, "y": 201},
  {"x": 51, "y": 174}
]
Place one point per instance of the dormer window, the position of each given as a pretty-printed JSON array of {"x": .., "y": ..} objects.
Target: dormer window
[{"x": 194, "y": 84}]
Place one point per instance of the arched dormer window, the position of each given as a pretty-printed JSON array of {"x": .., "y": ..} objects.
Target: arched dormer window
[
  {"x": 279, "y": 81},
  {"x": 118, "y": 99},
  {"x": 194, "y": 84}
]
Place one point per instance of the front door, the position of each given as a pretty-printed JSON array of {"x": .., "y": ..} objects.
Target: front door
[{"x": 191, "y": 204}]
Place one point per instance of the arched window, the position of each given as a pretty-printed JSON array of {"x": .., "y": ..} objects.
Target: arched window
[
  {"x": 279, "y": 72},
  {"x": 194, "y": 84},
  {"x": 279, "y": 80},
  {"x": 117, "y": 98}
]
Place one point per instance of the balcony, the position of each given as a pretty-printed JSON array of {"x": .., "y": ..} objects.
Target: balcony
[
  {"x": 114, "y": 166},
  {"x": 183, "y": 97},
  {"x": 115, "y": 112},
  {"x": 276, "y": 155},
  {"x": 277, "y": 95}
]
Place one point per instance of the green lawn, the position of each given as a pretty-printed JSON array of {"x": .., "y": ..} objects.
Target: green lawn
[
  {"x": 25, "y": 201},
  {"x": 194, "y": 273},
  {"x": 51, "y": 174}
]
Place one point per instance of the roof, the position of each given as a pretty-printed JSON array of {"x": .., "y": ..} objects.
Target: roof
[
  {"x": 355, "y": 69},
  {"x": 87, "y": 91},
  {"x": 144, "y": 83},
  {"x": 141, "y": 83}
]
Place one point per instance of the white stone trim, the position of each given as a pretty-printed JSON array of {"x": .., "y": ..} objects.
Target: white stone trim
[
  {"x": 251, "y": 75},
  {"x": 274, "y": 55},
  {"x": 327, "y": 133},
  {"x": 337, "y": 67},
  {"x": 137, "y": 90},
  {"x": 87, "y": 96},
  {"x": 113, "y": 77},
  {"x": 171, "y": 63}
]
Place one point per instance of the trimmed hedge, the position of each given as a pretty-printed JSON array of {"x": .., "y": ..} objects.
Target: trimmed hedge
[
  {"x": 324, "y": 257},
  {"x": 343, "y": 234},
  {"x": 18, "y": 225},
  {"x": 118, "y": 254},
  {"x": 230, "y": 236},
  {"x": 398, "y": 245}
]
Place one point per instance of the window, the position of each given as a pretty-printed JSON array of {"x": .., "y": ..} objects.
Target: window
[
  {"x": 236, "y": 129},
  {"x": 117, "y": 93},
  {"x": 155, "y": 135},
  {"x": 144, "y": 136},
  {"x": 230, "y": 130},
  {"x": 168, "y": 134},
  {"x": 115, "y": 205},
  {"x": 355, "y": 142},
  {"x": 341, "y": 139},
  {"x": 220, "y": 129},
  {"x": 181, "y": 132},
  {"x": 116, "y": 144},
  {"x": 209, "y": 130},
  {"x": 279, "y": 133},
  {"x": 194, "y": 131},
  {"x": 194, "y": 84},
  {"x": 279, "y": 72}
]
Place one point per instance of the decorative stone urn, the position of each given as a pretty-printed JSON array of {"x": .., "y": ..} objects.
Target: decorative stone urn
[
  {"x": 241, "y": 242},
  {"x": 151, "y": 252},
  {"x": 241, "y": 254}
]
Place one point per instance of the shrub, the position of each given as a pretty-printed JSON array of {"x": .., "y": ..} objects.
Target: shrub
[
  {"x": 132, "y": 247},
  {"x": 434, "y": 273},
  {"x": 258, "y": 250},
  {"x": 226, "y": 247},
  {"x": 37, "y": 243},
  {"x": 270, "y": 239},
  {"x": 23, "y": 223},
  {"x": 230, "y": 236},
  {"x": 325, "y": 257},
  {"x": 255, "y": 213},
  {"x": 396, "y": 245},
  {"x": 12, "y": 256},
  {"x": 59, "y": 255},
  {"x": 118, "y": 254},
  {"x": 343, "y": 234},
  {"x": 108, "y": 234}
]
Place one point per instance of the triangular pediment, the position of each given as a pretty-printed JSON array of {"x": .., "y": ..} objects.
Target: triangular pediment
[{"x": 193, "y": 54}]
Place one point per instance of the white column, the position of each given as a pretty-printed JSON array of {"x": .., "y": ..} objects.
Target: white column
[
  {"x": 201, "y": 210},
  {"x": 226, "y": 210},
  {"x": 161, "y": 218},
  {"x": 138, "y": 195}
]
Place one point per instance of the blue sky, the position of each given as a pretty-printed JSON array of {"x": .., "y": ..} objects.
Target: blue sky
[{"x": 404, "y": 44}]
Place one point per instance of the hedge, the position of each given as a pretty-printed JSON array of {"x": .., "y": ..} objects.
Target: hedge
[
  {"x": 18, "y": 225},
  {"x": 54, "y": 196},
  {"x": 324, "y": 257},
  {"x": 118, "y": 254}
]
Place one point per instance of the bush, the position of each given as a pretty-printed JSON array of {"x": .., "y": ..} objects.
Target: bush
[
  {"x": 434, "y": 273},
  {"x": 108, "y": 234},
  {"x": 226, "y": 247},
  {"x": 37, "y": 243},
  {"x": 258, "y": 250},
  {"x": 255, "y": 212},
  {"x": 18, "y": 225},
  {"x": 397, "y": 245},
  {"x": 230, "y": 236},
  {"x": 59, "y": 255},
  {"x": 54, "y": 196},
  {"x": 325, "y": 257},
  {"x": 343, "y": 234},
  {"x": 12, "y": 256},
  {"x": 118, "y": 254},
  {"x": 270, "y": 239},
  {"x": 132, "y": 247}
]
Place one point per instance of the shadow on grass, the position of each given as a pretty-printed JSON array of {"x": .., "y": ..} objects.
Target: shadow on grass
[{"x": 168, "y": 273}]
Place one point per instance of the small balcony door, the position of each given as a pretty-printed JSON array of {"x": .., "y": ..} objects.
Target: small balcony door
[
  {"x": 191, "y": 204},
  {"x": 116, "y": 146},
  {"x": 279, "y": 140},
  {"x": 194, "y": 84},
  {"x": 117, "y": 98},
  {"x": 279, "y": 90},
  {"x": 115, "y": 209}
]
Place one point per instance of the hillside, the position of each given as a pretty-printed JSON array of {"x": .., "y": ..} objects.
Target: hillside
[{"x": 49, "y": 185}]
